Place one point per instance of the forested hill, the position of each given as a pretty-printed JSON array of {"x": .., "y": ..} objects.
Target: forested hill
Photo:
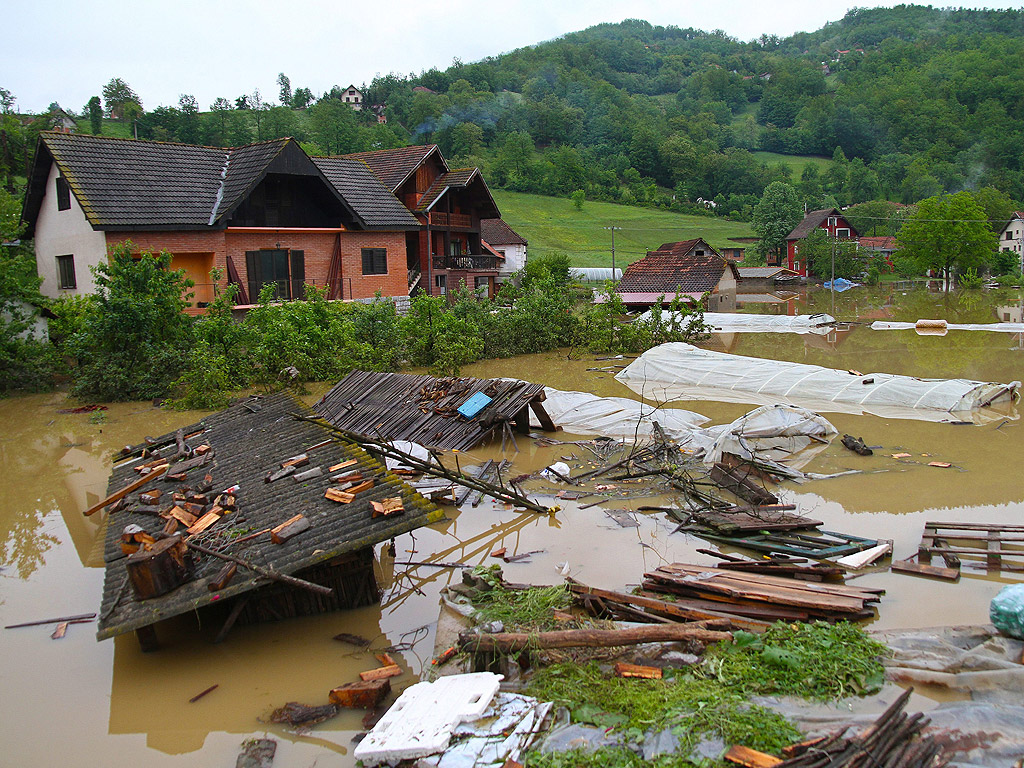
[
  {"x": 908, "y": 102},
  {"x": 921, "y": 100}
]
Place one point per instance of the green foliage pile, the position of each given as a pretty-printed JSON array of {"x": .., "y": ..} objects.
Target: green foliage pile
[
  {"x": 816, "y": 661},
  {"x": 518, "y": 609},
  {"x": 691, "y": 706}
]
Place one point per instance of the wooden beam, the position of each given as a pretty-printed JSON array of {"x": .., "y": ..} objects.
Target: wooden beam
[{"x": 132, "y": 486}]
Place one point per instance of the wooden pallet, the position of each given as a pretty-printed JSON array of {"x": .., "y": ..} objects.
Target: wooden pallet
[{"x": 993, "y": 543}]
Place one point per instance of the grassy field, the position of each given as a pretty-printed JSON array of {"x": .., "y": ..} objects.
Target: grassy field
[
  {"x": 795, "y": 163},
  {"x": 552, "y": 224}
]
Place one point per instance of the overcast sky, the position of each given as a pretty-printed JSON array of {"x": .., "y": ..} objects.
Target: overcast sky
[{"x": 66, "y": 51}]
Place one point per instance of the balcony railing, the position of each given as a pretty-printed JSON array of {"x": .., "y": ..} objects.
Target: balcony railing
[
  {"x": 441, "y": 219},
  {"x": 469, "y": 263}
]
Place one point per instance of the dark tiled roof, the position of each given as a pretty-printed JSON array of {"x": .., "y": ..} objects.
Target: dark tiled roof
[
  {"x": 673, "y": 267},
  {"x": 393, "y": 406},
  {"x": 373, "y": 202},
  {"x": 878, "y": 243},
  {"x": 497, "y": 232},
  {"x": 122, "y": 182},
  {"x": 245, "y": 446},
  {"x": 245, "y": 167},
  {"x": 452, "y": 179},
  {"x": 393, "y": 166},
  {"x": 811, "y": 222}
]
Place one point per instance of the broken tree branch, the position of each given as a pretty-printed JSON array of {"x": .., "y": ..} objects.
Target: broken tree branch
[
  {"x": 512, "y": 642},
  {"x": 265, "y": 572}
]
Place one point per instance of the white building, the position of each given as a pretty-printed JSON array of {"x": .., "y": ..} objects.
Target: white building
[
  {"x": 1012, "y": 237},
  {"x": 506, "y": 242}
]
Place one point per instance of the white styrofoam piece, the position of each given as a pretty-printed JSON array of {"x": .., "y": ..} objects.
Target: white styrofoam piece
[
  {"x": 866, "y": 557},
  {"x": 421, "y": 721}
]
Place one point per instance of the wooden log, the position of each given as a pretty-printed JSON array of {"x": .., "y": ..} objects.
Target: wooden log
[
  {"x": 392, "y": 670},
  {"x": 267, "y": 573},
  {"x": 514, "y": 642},
  {"x": 132, "y": 486},
  {"x": 182, "y": 516},
  {"x": 223, "y": 577},
  {"x": 289, "y": 529},
  {"x": 751, "y": 758},
  {"x": 275, "y": 475},
  {"x": 309, "y": 474},
  {"x": 365, "y": 694},
  {"x": 159, "y": 570},
  {"x": 623, "y": 669}
]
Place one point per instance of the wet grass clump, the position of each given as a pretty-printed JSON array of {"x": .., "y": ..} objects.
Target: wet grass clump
[
  {"x": 816, "y": 661},
  {"x": 518, "y": 609},
  {"x": 692, "y": 707},
  {"x": 606, "y": 757}
]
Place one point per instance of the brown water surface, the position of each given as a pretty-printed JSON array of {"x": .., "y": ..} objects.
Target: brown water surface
[{"x": 86, "y": 703}]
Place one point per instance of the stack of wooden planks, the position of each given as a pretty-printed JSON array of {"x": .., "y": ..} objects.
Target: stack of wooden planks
[{"x": 762, "y": 596}]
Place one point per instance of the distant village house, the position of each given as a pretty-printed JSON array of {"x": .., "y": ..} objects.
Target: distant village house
[
  {"x": 831, "y": 220},
  {"x": 685, "y": 270}
]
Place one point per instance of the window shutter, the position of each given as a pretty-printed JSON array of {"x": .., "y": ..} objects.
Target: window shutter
[
  {"x": 63, "y": 194},
  {"x": 252, "y": 270},
  {"x": 298, "y": 273},
  {"x": 380, "y": 261}
]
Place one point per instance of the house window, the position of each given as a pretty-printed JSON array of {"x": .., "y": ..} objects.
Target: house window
[
  {"x": 66, "y": 272},
  {"x": 279, "y": 267},
  {"x": 481, "y": 286},
  {"x": 455, "y": 248},
  {"x": 375, "y": 261},
  {"x": 63, "y": 194},
  {"x": 441, "y": 283},
  {"x": 1009, "y": 235},
  {"x": 842, "y": 233},
  {"x": 698, "y": 253},
  {"x": 832, "y": 221}
]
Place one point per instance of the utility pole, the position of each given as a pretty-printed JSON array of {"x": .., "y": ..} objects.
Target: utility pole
[{"x": 613, "y": 248}]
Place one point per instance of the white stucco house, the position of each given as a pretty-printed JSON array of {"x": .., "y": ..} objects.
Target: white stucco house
[
  {"x": 507, "y": 243},
  {"x": 1012, "y": 237}
]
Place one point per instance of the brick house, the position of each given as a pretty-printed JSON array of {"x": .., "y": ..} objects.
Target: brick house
[
  {"x": 447, "y": 250},
  {"x": 687, "y": 270},
  {"x": 829, "y": 219},
  {"x": 262, "y": 214}
]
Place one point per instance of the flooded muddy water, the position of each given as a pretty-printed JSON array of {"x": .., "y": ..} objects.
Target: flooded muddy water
[{"x": 85, "y": 703}]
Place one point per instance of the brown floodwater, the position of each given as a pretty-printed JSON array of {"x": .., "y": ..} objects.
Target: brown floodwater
[{"x": 86, "y": 703}]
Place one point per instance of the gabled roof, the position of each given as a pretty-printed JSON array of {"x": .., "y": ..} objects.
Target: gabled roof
[
  {"x": 394, "y": 166},
  {"x": 374, "y": 203},
  {"x": 497, "y": 232},
  {"x": 462, "y": 178},
  {"x": 129, "y": 184},
  {"x": 887, "y": 243},
  {"x": 812, "y": 221},
  {"x": 674, "y": 267}
]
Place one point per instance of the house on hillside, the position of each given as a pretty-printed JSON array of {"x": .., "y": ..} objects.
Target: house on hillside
[
  {"x": 687, "y": 270},
  {"x": 353, "y": 97},
  {"x": 507, "y": 243},
  {"x": 62, "y": 121},
  {"x": 447, "y": 250},
  {"x": 829, "y": 219},
  {"x": 1011, "y": 238},
  {"x": 262, "y": 214}
]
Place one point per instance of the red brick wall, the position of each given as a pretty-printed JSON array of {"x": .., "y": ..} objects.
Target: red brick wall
[{"x": 318, "y": 248}]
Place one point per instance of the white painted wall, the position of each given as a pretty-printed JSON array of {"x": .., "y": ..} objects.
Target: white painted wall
[
  {"x": 66, "y": 232},
  {"x": 1012, "y": 239},
  {"x": 515, "y": 258}
]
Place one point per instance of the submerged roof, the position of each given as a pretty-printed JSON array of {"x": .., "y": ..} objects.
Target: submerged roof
[
  {"x": 676, "y": 268},
  {"x": 764, "y": 273},
  {"x": 423, "y": 409},
  {"x": 248, "y": 440},
  {"x": 394, "y": 166},
  {"x": 131, "y": 184},
  {"x": 497, "y": 232}
]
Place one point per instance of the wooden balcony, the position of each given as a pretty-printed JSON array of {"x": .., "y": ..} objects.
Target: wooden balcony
[
  {"x": 467, "y": 263},
  {"x": 451, "y": 220}
]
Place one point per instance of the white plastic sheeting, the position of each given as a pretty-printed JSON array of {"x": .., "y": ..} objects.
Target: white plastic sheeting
[
  {"x": 771, "y": 433},
  {"x": 737, "y": 322},
  {"x": 882, "y": 325},
  {"x": 678, "y": 371},
  {"x": 617, "y": 417}
]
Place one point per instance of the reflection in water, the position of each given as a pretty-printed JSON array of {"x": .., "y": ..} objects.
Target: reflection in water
[{"x": 56, "y": 465}]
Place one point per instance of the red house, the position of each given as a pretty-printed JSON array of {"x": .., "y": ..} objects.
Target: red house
[{"x": 829, "y": 219}]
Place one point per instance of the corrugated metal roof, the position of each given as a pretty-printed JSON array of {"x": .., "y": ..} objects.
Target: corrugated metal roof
[{"x": 246, "y": 446}]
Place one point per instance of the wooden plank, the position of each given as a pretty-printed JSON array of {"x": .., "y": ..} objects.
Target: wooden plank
[
  {"x": 203, "y": 523},
  {"x": 623, "y": 669},
  {"x": 769, "y": 594},
  {"x": 365, "y": 694},
  {"x": 917, "y": 569},
  {"x": 751, "y": 758},
  {"x": 840, "y": 589},
  {"x": 289, "y": 529},
  {"x": 132, "y": 486},
  {"x": 392, "y": 670},
  {"x": 975, "y": 527}
]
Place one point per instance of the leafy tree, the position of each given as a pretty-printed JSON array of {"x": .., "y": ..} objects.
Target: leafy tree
[
  {"x": 302, "y": 98},
  {"x": 829, "y": 255},
  {"x": 116, "y": 95},
  {"x": 242, "y": 102},
  {"x": 285, "y": 89},
  {"x": 578, "y": 198},
  {"x": 333, "y": 126},
  {"x": 947, "y": 233},
  {"x": 188, "y": 126},
  {"x": 134, "y": 341},
  {"x": 95, "y": 111},
  {"x": 775, "y": 216}
]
